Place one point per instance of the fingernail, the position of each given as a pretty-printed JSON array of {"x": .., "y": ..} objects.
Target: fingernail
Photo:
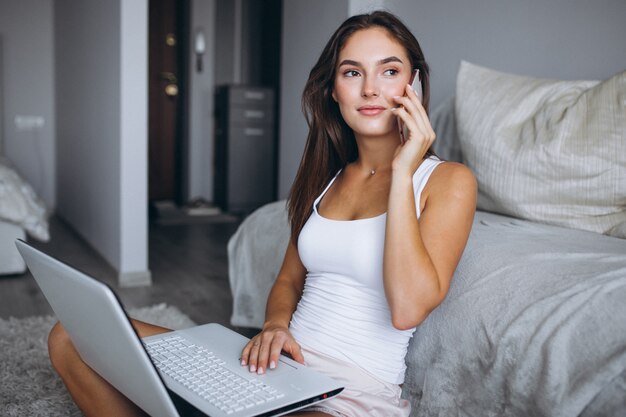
[
  {"x": 243, "y": 362},
  {"x": 397, "y": 97},
  {"x": 260, "y": 372},
  {"x": 410, "y": 87},
  {"x": 272, "y": 365},
  {"x": 252, "y": 368}
]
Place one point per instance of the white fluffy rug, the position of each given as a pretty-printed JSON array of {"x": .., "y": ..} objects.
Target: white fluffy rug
[{"x": 29, "y": 385}]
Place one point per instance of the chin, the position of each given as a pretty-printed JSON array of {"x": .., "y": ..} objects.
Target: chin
[{"x": 375, "y": 130}]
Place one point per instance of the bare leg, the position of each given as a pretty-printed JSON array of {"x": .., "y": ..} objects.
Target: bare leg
[{"x": 93, "y": 395}]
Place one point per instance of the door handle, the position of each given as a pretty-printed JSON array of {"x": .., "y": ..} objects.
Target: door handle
[{"x": 171, "y": 90}]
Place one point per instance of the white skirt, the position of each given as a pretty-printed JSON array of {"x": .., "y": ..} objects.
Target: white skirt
[{"x": 364, "y": 394}]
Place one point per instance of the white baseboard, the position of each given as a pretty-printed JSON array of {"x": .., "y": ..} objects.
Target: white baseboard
[{"x": 134, "y": 279}]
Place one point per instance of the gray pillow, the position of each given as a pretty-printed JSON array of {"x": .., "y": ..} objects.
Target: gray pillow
[{"x": 546, "y": 150}]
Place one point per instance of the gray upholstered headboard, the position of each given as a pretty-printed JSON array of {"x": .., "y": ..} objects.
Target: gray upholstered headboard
[{"x": 443, "y": 120}]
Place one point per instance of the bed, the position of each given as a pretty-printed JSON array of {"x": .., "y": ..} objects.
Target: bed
[
  {"x": 22, "y": 215},
  {"x": 535, "y": 319}
]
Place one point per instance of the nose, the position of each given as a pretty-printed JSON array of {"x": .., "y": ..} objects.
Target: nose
[{"x": 370, "y": 87}]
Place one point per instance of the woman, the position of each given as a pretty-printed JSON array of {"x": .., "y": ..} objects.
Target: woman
[{"x": 377, "y": 225}]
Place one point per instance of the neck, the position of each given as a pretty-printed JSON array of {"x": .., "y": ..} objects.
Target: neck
[
  {"x": 375, "y": 153},
  {"x": 371, "y": 168}
]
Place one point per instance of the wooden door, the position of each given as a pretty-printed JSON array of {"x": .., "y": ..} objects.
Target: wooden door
[{"x": 166, "y": 98}]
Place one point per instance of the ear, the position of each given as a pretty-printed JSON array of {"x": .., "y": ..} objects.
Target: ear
[{"x": 334, "y": 96}]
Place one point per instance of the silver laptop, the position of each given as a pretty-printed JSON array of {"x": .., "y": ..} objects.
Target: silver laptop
[{"x": 199, "y": 364}]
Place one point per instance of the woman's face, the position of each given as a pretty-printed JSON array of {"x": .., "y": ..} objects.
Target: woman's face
[{"x": 372, "y": 68}]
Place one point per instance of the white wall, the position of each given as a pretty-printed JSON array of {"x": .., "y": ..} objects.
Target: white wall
[
  {"x": 133, "y": 113},
  {"x": 101, "y": 63},
  {"x": 26, "y": 31},
  {"x": 307, "y": 25},
  {"x": 101, "y": 102},
  {"x": 563, "y": 39}
]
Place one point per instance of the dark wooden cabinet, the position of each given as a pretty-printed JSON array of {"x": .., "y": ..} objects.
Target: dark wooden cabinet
[{"x": 245, "y": 148}]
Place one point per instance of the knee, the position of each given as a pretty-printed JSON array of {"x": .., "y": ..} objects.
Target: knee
[{"x": 60, "y": 346}]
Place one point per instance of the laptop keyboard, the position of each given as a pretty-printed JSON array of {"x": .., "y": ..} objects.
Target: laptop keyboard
[{"x": 202, "y": 372}]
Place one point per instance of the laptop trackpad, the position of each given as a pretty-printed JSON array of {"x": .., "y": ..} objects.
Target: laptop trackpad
[
  {"x": 285, "y": 365},
  {"x": 282, "y": 367}
]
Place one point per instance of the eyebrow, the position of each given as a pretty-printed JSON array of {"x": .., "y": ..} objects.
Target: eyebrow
[{"x": 380, "y": 62}]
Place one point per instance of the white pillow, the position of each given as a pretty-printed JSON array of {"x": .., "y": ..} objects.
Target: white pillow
[
  {"x": 546, "y": 150},
  {"x": 20, "y": 205}
]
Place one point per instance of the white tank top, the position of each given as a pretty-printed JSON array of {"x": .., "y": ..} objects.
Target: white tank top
[{"x": 343, "y": 311}]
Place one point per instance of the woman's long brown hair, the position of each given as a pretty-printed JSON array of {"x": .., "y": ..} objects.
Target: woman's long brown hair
[{"x": 330, "y": 143}]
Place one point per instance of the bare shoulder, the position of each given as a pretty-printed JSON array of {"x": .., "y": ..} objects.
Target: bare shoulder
[
  {"x": 452, "y": 176},
  {"x": 452, "y": 180}
]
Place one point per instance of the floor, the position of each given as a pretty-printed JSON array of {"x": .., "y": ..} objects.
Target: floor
[{"x": 188, "y": 262}]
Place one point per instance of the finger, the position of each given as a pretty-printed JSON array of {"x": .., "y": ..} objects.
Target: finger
[
  {"x": 262, "y": 358},
  {"x": 412, "y": 94},
  {"x": 422, "y": 123},
  {"x": 410, "y": 102},
  {"x": 408, "y": 121},
  {"x": 247, "y": 350},
  {"x": 419, "y": 106},
  {"x": 276, "y": 348},
  {"x": 414, "y": 108},
  {"x": 295, "y": 351},
  {"x": 245, "y": 353},
  {"x": 414, "y": 113},
  {"x": 416, "y": 142},
  {"x": 267, "y": 339},
  {"x": 254, "y": 354}
]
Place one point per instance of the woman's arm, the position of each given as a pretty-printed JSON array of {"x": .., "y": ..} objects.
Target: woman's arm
[
  {"x": 264, "y": 349},
  {"x": 420, "y": 256}
]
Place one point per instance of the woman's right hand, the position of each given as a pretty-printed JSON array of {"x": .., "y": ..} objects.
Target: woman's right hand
[{"x": 263, "y": 350}]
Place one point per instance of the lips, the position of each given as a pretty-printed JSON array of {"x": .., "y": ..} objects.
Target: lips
[{"x": 371, "y": 110}]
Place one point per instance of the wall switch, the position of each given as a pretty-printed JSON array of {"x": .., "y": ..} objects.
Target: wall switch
[{"x": 28, "y": 123}]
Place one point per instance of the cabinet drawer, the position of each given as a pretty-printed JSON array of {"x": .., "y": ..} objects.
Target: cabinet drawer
[
  {"x": 250, "y": 167},
  {"x": 251, "y": 114},
  {"x": 242, "y": 134},
  {"x": 250, "y": 96}
]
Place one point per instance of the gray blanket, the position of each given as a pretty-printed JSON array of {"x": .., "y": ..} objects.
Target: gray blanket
[
  {"x": 255, "y": 254},
  {"x": 534, "y": 323}
]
